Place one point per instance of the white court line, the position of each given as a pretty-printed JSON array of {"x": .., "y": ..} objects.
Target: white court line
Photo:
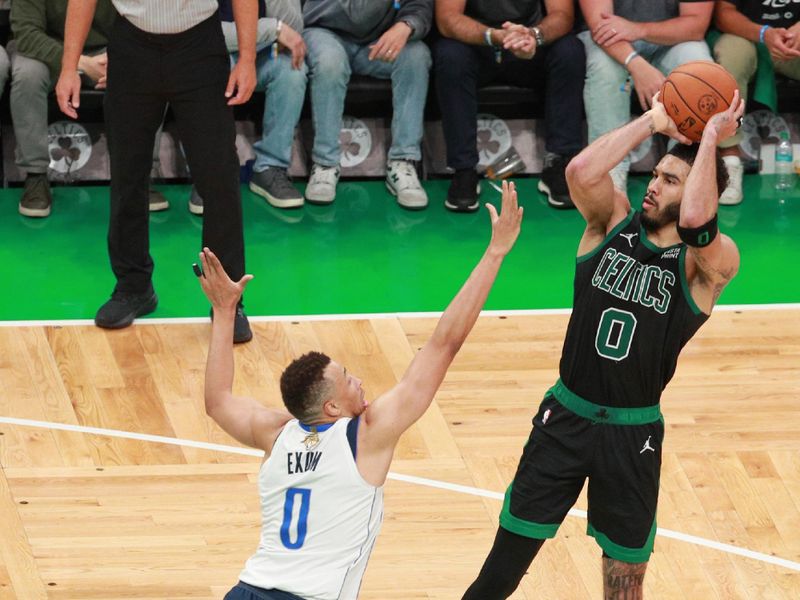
[
  {"x": 365, "y": 316},
  {"x": 442, "y": 485}
]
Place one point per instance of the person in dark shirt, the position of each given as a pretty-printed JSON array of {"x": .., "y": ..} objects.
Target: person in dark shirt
[
  {"x": 745, "y": 24},
  {"x": 645, "y": 281},
  {"x": 522, "y": 42}
]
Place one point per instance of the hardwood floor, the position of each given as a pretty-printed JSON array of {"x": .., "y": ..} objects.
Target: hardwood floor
[{"x": 88, "y": 516}]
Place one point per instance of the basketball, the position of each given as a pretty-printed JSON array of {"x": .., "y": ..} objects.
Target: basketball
[{"x": 694, "y": 92}]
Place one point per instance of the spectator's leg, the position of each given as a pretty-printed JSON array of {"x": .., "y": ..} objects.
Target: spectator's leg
[
  {"x": 328, "y": 72},
  {"x": 409, "y": 75},
  {"x": 132, "y": 72},
  {"x": 5, "y": 69},
  {"x": 738, "y": 56},
  {"x": 457, "y": 68},
  {"x": 30, "y": 84},
  {"x": 198, "y": 71},
  {"x": 565, "y": 67},
  {"x": 606, "y": 99},
  {"x": 285, "y": 89},
  {"x": 789, "y": 68}
]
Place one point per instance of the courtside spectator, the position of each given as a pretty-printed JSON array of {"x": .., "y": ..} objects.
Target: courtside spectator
[
  {"x": 746, "y": 25},
  {"x": 382, "y": 39},
  {"x": 521, "y": 42},
  {"x": 36, "y": 50},
  {"x": 631, "y": 45}
]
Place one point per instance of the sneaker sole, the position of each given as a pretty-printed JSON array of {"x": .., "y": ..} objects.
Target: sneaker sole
[
  {"x": 158, "y": 206},
  {"x": 726, "y": 202},
  {"x": 195, "y": 209},
  {"x": 130, "y": 317},
  {"x": 470, "y": 208},
  {"x": 34, "y": 212},
  {"x": 405, "y": 205},
  {"x": 319, "y": 201},
  {"x": 545, "y": 189},
  {"x": 295, "y": 202}
]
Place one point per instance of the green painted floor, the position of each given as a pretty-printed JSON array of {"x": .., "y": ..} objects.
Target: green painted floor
[{"x": 363, "y": 254}]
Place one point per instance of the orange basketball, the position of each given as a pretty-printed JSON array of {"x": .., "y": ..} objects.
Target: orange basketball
[{"x": 694, "y": 92}]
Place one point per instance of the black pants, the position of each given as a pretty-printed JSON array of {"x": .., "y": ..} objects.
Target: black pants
[
  {"x": 461, "y": 68},
  {"x": 188, "y": 70}
]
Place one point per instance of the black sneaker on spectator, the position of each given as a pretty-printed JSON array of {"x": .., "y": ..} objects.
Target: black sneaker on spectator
[
  {"x": 36, "y": 197},
  {"x": 123, "y": 308},
  {"x": 241, "y": 326},
  {"x": 195, "y": 203},
  {"x": 554, "y": 182},
  {"x": 157, "y": 201},
  {"x": 275, "y": 185},
  {"x": 463, "y": 193}
]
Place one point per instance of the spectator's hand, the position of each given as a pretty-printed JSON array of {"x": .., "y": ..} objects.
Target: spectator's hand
[
  {"x": 68, "y": 93},
  {"x": 94, "y": 67},
  {"x": 222, "y": 292},
  {"x": 781, "y": 43},
  {"x": 669, "y": 127},
  {"x": 612, "y": 29},
  {"x": 391, "y": 43},
  {"x": 794, "y": 32},
  {"x": 242, "y": 81},
  {"x": 293, "y": 42},
  {"x": 646, "y": 79},
  {"x": 519, "y": 40},
  {"x": 725, "y": 123}
]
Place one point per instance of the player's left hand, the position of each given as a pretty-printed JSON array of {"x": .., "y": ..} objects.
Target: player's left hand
[
  {"x": 391, "y": 43},
  {"x": 505, "y": 226},
  {"x": 221, "y": 291},
  {"x": 242, "y": 81},
  {"x": 724, "y": 124}
]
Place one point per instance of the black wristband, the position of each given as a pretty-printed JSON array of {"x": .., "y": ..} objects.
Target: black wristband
[{"x": 699, "y": 237}]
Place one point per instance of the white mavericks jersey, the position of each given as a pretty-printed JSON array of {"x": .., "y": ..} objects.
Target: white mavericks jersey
[{"x": 320, "y": 519}]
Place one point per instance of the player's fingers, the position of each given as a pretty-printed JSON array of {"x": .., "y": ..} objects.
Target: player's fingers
[
  {"x": 242, "y": 283},
  {"x": 492, "y": 212}
]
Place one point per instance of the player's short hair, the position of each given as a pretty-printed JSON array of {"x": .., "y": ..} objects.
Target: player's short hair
[
  {"x": 687, "y": 153},
  {"x": 304, "y": 387}
]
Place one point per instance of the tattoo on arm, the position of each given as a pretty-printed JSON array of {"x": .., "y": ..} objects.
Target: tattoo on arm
[
  {"x": 623, "y": 581},
  {"x": 709, "y": 271}
]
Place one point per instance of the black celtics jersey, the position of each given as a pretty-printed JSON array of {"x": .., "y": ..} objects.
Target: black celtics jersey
[{"x": 632, "y": 314}]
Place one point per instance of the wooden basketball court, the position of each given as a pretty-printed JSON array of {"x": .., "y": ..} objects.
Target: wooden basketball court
[{"x": 88, "y": 516}]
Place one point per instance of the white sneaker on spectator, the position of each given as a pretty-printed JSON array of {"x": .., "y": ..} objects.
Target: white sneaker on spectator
[
  {"x": 321, "y": 188},
  {"x": 402, "y": 181},
  {"x": 733, "y": 193}
]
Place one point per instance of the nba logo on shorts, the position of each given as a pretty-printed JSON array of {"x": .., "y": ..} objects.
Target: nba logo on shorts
[{"x": 545, "y": 416}]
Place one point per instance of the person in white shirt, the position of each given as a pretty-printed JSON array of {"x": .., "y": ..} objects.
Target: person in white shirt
[{"x": 327, "y": 458}]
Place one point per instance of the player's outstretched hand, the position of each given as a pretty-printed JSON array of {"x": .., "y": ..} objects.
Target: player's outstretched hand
[
  {"x": 725, "y": 123},
  {"x": 505, "y": 226},
  {"x": 222, "y": 292}
]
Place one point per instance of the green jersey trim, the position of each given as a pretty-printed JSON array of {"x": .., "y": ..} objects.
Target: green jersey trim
[
  {"x": 685, "y": 283},
  {"x": 617, "y": 552},
  {"x": 597, "y": 413},
  {"x": 622, "y": 224},
  {"x": 650, "y": 245},
  {"x": 519, "y": 526}
]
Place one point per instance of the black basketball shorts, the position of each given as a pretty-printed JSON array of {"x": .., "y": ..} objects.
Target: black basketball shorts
[{"x": 618, "y": 450}]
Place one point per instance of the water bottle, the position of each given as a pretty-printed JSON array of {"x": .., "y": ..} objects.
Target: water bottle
[{"x": 784, "y": 163}]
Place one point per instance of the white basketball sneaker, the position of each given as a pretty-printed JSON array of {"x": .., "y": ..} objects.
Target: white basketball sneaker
[{"x": 733, "y": 193}]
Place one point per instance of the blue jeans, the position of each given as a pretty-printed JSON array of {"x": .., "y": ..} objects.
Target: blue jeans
[
  {"x": 285, "y": 89},
  {"x": 331, "y": 60},
  {"x": 608, "y": 105}
]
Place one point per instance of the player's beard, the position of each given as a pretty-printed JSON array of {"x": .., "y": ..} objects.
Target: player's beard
[{"x": 663, "y": 218}]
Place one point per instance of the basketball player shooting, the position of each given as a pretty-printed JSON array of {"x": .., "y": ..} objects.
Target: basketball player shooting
[
  {"x": 327, "y": 458},
  {"x": 645, "y": 281}
]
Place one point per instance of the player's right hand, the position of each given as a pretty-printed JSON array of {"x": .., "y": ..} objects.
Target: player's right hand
[
  {"x": 68, "y": 92},
  {"x": 663, "y": 122},
  {"x": 505, "y": 226}
]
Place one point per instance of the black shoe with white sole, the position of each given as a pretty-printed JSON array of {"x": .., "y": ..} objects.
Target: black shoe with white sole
[
  {"x": 554, "y": 182},
  {"x": 463, "y": 193}
]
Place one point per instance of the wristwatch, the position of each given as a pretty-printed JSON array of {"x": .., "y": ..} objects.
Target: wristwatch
[{"x": 538, "y": 36}]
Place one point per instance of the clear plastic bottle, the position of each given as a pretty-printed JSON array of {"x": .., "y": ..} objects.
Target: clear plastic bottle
[{"x": 784, "y": 166}]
